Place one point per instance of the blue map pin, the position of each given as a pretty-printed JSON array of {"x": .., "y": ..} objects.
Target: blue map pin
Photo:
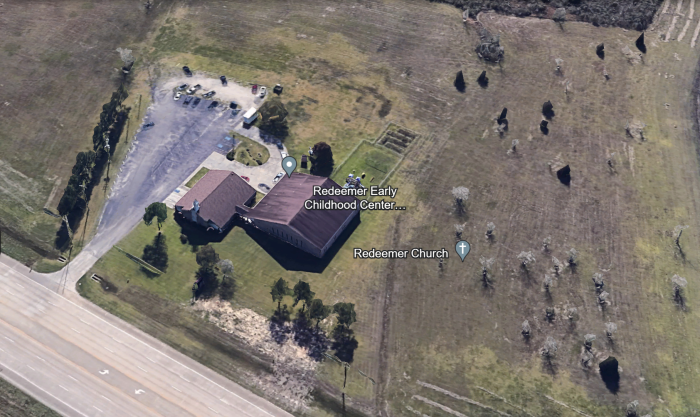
[
  {"x": 289, "y": 164},
  {"x": 462, "y": 249}
]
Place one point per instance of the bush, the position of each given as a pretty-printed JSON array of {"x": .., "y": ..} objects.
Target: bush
[{"x": 183, "y": 239}]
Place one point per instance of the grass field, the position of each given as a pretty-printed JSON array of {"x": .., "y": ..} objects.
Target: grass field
[
  {"x": 198, "y": 176},
  {"x": 375, "y": 162},
  {"x": 249, "y": 152},
  {"x": 15, "y": 403}
]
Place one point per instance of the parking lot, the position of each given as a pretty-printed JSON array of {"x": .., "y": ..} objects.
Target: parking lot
[{"x": 163, "y": 156}]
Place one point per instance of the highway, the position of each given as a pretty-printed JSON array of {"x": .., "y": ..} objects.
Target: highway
[{"x": 81, "y": 361}]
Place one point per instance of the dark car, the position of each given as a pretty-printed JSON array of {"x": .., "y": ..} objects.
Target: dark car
[
  {"x": 187, "y": 71},
  {"x": 147, "y": 125},
  {"x": 213, "y": 104},
  {"x": 196, "y": 102},
  {"x": 235, "y": 111},
  {"x": 223, "y": 80},
  {"x": 279, "y": 145},
  {"x": 233, "y": 105},
  {"x": 187, "y": 101},
  {"x": 182, "y": 87},
  {"x": 209, "y": 94}
]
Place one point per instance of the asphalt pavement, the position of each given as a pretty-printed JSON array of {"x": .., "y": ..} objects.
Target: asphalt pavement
[{"x": 80, "y": 361}]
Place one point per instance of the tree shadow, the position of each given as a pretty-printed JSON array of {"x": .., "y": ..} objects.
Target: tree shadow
[
  {"x": 279, "y": 331},
  {"x": 197, "y": 235},
  {"x": 600, "y": 51},
  {"x": 311, "y": 338},
  {"x": 294, "y": 259},
  {"x": 483, "y": 80},
  {"x": 543, "y": 127},
  {"x": 610, "y": 374},
  {"x": 548, "y": 366}
]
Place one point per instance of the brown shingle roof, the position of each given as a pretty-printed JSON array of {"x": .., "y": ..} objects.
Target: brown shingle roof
[
  {"x": 284, "y": 204},
  {"x": 218, "y": 193}
]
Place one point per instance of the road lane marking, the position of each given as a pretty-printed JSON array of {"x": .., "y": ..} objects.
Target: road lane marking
[
  {"x": 150, "y": 359},
  {"x": 97, "y": 409},
  {"x": 142, "y": 369},
  {"x": 9, "y": 339},
  {"x": 106, "y": 398},
  {"x": 175, "y": 388},
  {"x": 43, "y": 390},
  {"x": 1, "y": 350},
  {"x": 31, "y": 368},
  {"x": 84, "y": 321},
  {"x": 64, "y": 388},
  {"x": 184, "y": 378},
  {"x": 109, "y": 349},
  {"x": 42, "y": 359},
  {"x": 223, "y": 401},
  {"x": 213, "y": 410},
  {"x": 9, "y": 292},
  {"x": 20, "y": 285},
  {"x": 116, "y": 340},
  {"x": 69, "y": 376},
  {"x": 75, "y": 330},
  {"x": 147, "y": 346}
]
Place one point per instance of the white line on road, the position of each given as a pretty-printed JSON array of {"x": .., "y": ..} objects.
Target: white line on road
[
  {"x": 31, "y": 368},
  {"x": 97, "y": 409},
  {"x": 75, "y": 330},
  {"x": 142, "y": 369},
  {"x": 223, "y": 401},
  {"x": 106, "y": 398},
  {"x": 21, "y": 286},
  {"x": 1, "y": 350},
  {"x": 63, "y": 387},
  {"x": 9, "y": 292},
  {"x": 9, "y": 339},
  {"x": 173, "y": 387},
  {"x": 150, "y": 359},
  {"x": 213, "y": 410},
  {"x": 43, "y": 390},
  {"x": 116, "y": 340},
  {"x": 84, "y": 321},
  {"x": 69, "y": 376},
  {"x": 42, "y": 359},
  {"x": 184, "y": 378},
  {"x": 52, "y": 303},
  {"x": 108, "y": 349}
]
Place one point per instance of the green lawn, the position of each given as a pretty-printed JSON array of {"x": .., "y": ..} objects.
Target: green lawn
[
  {"x": 198, "y": 176},
  {"x": 369, "y": 159},
  {"x": 248, "y": 151}
]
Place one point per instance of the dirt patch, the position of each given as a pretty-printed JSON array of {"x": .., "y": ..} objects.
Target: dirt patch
[{"x": 293, "y": 371}]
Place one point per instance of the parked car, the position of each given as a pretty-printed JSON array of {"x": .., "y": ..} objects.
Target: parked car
[
  {"x": 213, "y": 104},
  {"x": 235, "y": 112},
  {"x": 278, "y": 177},
  {"x": 147, "y": 125},
  {"x": 177, "y": 96},
  {"x": 255, "y": 88},
  {"x": 187, "y": 101},
  {"x": 196, "y": 102},
  {"x": 209, "y": 94},
  {"x": 233, "y": 105},
  {"x": 187, "y": 71},
  {"x": 245, "y": 178},
  {"x": 263, "y": 91},
  {"x": 279, "y": 145},
  {"x": 194, "y": 88},
  {"x": 223, "y": 80},
  {"x": 182, "y": 87},
  {"x": 284, "y": 155}
]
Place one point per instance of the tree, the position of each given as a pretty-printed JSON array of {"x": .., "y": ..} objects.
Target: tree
[
  {"x": 679, "y": 284},
  {"x": 486, "y": 265},
  {"x": 158, "y": 211},
  {"x": 558, "y": 61},
  {"x": 546, "y": 242},
  {"x": 586, "y": 358},
  {"x": 207, "y": 281},
  {"x": 572, "y": 314},
  {"x": 459, "y": 229},
  {"x": 346, "y": 313},
  {"x": 207, "y": 257},
  {"x": 226, "y": 267},
  {"x": 318, "y": 311},
  {"x": 490, "y": 227},
  {"x": 322, "y": 159},
  {"x": 228, "y": 287},
  {"x": 460, "y": 195},
  {"x": 547, "y": 283},
  {"x": 549, "y": 313},
  {"x": 460, "y": 85},
  {"x": 631, "y": 410},
  {"x": 560, "y": 16},
  {"x": 557, "y": 265},
  {"x": 156, "y": 254},
  {"x": 572, "y": 255},
  {"x": 610, "y": 330},
  {"x": 302, "y": 292},
  {"x": 588, "y": 341},
  {"x": 273, "y": 116},
  {"x": 598, "y": 281},
  {"x": 514, "y": 145},
  {"x": 279, "y": 290},
  {"x": 525, "y": 329},
  {"x": 525, "y": 259},
  {"x": 549, "y": 350},
  {"x": 489, "y": 48},
  {"x": 603, "y": 298}
]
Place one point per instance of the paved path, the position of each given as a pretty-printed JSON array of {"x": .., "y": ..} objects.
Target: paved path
[{"x": 81, "y": 361}]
